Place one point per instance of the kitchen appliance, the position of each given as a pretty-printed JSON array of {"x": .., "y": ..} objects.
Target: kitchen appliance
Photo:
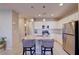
[{"x": 70, "y": 38}]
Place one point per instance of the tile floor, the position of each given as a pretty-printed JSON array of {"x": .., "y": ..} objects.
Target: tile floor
[{"x": 57, "y": 50}]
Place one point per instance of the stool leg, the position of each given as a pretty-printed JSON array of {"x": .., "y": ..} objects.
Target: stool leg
[
  {"x": 31, "y": 51},
  {"x": 41, "y": 51},
  {"x": 34, "y": 52},
  {"x": 23, "y": 51},
  {"x": 51, "y": 51},
  {"x": 44, "y": 50}
]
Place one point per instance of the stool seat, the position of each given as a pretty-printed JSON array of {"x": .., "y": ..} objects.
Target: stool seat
[
  {"x": 29, "y": 45},
  {"x": 47, "y": 45}
]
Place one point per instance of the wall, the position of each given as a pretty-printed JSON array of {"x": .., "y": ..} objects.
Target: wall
[
  {"x": 31, "y": 28},
  {"x": 52, "y": 24},
  {"x": 21, "y": 28},
  {"x": 15, "y": 31},
  {"x": 73, "y": 17},
  {"x": 9, "y": 28},
  {"x": 6, "y": 26}
]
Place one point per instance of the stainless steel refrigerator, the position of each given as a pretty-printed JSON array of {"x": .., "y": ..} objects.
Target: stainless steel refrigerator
[{"x": 70, "y": 38}]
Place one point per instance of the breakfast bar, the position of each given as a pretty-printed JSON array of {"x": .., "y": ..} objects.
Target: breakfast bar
[{"x": 39, "y": 41}]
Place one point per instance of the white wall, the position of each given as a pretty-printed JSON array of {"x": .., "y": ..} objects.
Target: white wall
[
  {"x": 15, "y": 31},
  {"x": 31, "y": 28},
  {"x": 9, "y": 28},
  {"x": 21, "y": 28},
  {"x": 6, "y": 26},
  {"x": 52, "y": 24},
  {"x": 73, "y": 17}
]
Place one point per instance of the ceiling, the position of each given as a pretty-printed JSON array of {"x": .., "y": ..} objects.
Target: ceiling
[{"x": 32, "y": 10}]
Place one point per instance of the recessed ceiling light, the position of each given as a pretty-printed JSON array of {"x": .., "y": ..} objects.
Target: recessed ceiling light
[
  {"x": 32, "y": 20},
  {"x": 44, "y": 20},
  {"x": 61, "y": 4},
  {"x": 24, "y": 24},
  {"x": 39, "y": 15},
  {"x": 52, "y": 15}
]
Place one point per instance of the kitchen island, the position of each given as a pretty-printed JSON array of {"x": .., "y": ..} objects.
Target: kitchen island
[{"x": 38, "y": 41}]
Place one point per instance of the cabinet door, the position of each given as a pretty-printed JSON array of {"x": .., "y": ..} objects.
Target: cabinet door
[
  {"x": 69, "y": 28},
  {"x": 70, "y": 44},
  {"x": 64, "y": 41}
]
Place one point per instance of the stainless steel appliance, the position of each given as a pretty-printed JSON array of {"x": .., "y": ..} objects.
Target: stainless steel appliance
[{"x": 70, "y": 38}]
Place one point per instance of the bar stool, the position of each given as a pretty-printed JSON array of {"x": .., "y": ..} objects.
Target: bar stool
[
  {"x": 47, "y": 45},
  {"x": 29, "y": 45}
]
